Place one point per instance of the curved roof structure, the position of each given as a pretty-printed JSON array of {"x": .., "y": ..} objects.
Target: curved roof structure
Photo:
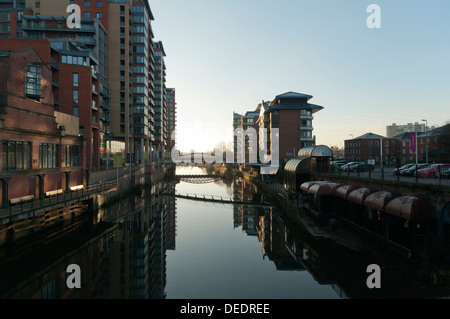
[
  {"x": 411, "y": 208},
  {"x": 359, "y": 195},
  {"x": 379, "y": 200},
  {"x": 343, "y": 191},
  {"x": 315, "y": 151},
  {"x": 294, "y": 164},
  {"x": 323, "y": 188},
  {"x": 307, "y": 185}
]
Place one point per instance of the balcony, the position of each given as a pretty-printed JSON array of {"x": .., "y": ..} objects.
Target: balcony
[
  {"x": 94, "y": 90},
  {"x": 94, "y": 106}
]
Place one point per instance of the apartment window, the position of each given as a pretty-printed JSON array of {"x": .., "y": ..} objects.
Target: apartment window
[
  {"x": 37, "y": 5},
  {"x": 71, "y": 155},
  {"x": 275, "y": 113},
  {"x": 75, "y": 79},
  {"x": 47, "y": 155},
  {"x": 305, "y": 112},
  {"x": 99, "y": 15},
  {"x": 99, "y": 4},
  {"x": 4, "y": 26},
  {"x": 86, "y": 4},
  {"x": 75, "y": 111},
  {"x": 33, "y": 81},
  {"x": 306, "y": 134},
  {"x": 370, "y": 143},
  {"x": 16, "y": 155},
  {"x": 75, "y": 96},
  {"x": 6, "y": 15},
  {"x": 86, "y": 14}
]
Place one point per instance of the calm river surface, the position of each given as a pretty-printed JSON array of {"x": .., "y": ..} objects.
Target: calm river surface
[{"x": 160, "y": 246}]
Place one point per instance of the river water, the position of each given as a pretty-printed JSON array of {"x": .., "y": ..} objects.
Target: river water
[{"x": 158, "y": 246}]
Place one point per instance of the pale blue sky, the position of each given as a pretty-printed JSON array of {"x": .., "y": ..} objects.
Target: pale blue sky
[{"x": 228, "y": 55}]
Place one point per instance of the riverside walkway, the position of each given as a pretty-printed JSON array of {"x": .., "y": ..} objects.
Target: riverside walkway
[{"x": 37, "y": 206}]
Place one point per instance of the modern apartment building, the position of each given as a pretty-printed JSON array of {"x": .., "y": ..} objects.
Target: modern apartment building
[
  {"x": 161, "y": 114},
  {"x": 291, "y": 114},
  {"x": 171, "y": 118},
  {"x": 80, "y": 47}
]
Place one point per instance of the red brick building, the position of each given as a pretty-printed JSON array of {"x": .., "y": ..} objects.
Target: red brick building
[
  {"x": 41, "y": 147},
  {"x": 370, "y": 146},
  {"x": 292, "y": 114}
]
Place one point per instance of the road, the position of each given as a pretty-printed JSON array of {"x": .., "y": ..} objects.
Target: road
[{"x": 387, "y": 174}]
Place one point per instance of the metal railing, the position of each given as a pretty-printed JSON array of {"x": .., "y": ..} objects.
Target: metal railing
[
  {"x": 387, "y": 174},
  {"x": 58, "y": 198}
]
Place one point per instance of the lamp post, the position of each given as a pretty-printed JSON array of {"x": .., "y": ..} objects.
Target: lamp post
[
  {"x": 426, "y": 139},
  {"x": 353, "y": 155}
]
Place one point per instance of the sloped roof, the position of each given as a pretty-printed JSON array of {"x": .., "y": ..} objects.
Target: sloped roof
[
  {"x": 293, "y": 95},
  {"x": 369, "y": 136}
]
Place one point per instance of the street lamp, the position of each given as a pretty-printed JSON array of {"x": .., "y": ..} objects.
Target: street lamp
[
  {"x": 426, "y": 138},
  {"x": 353, "y": 155}
]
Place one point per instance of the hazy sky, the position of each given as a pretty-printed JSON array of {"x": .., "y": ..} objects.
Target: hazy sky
[{"x": 229, "y": 55}]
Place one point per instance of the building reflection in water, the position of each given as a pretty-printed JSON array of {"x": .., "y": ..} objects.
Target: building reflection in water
[
  {"x": 122, "y": 254},
  {"x": 292, "y": 249}
]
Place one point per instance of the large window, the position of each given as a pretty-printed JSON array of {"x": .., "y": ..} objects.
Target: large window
[
  {"x": 75, "y": 96},
  {"x": 48, "y": 155},
  {"x": 75, "y": 79},
  {"x": 33, "y": 81},
  {"x": 16, "y": 155},
  {"x": 71, "y": 155}
]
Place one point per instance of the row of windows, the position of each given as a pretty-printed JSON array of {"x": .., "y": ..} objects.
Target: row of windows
[
  {"x": 69, "y": 59},
  {"x": 99, "y": 4},
  {"x": 18, "y": 155},
  {"x": 98, "y": 15}
]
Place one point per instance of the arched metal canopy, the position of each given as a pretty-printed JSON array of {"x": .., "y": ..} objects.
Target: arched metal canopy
[{"x": 315, "y": 151}]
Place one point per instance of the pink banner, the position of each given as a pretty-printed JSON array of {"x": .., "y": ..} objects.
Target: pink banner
[{"x": 413, "y": 142}]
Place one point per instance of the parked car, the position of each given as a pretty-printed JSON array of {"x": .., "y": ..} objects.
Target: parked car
[
  {"x": 396, "y": 171},
  {"x": 444, "y": 174},
  {"x": 410, "y": 171},
  {"x": 361, "y": 167},
  {"x": 346, "y": 166},
  {"x": 433, "y": 170},
  {"x": 340, "y": 163}
]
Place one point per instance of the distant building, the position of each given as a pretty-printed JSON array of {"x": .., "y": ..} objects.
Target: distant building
[
  {"x": 291, "y": 114},
  {"x": 394, "y": 129},
  {"x": 367, "y": 147},
  {"x": 436, "y": 151},
  {"x": 171, "y": 118},
  {"x": 398, "y": 148}
]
